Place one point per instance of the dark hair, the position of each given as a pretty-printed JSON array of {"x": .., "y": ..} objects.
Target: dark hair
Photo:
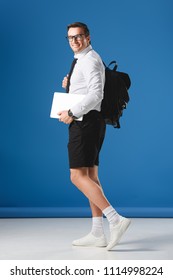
[{"x": 79, "y": 24}]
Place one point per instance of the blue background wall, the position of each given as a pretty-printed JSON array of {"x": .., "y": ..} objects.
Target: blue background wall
[{"x": 136, "y": 168}]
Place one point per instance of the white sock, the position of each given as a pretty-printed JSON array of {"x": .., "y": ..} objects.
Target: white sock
[
  {"x": 97, "y": 226},
  {"x": 112, "y": 216}
]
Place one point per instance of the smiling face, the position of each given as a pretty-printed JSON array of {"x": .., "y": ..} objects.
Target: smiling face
[{"x": 77, "y": 39}]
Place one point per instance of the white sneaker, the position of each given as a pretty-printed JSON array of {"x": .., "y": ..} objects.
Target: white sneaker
[
  {"x": 91, "y": 241},
  {"x": 117, "y": 231}
]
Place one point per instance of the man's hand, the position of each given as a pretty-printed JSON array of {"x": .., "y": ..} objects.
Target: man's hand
[
  {"x": 64, "y": 117},
  {"x": 64, "y": 82}
]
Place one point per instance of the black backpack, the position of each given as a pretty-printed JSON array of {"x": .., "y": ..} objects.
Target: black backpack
[{"x": 116, "y": 95}]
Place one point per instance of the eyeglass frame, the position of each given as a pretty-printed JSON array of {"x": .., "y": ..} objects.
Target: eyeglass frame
[{"x": 77, "y": 37}]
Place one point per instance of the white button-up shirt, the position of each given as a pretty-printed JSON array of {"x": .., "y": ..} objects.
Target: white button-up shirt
[{"x": 88, "y": 78}]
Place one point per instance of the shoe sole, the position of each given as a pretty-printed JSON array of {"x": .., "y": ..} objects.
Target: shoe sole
[
  {"x": 97, "y": 244},
  {"x": 100, "y": 242},
  {"x": 77, "y": 245}
]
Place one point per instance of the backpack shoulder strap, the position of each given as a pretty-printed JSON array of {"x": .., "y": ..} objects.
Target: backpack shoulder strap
[
  {"x": 115, "y": 65},
  {"x": 112, "y": 62}
]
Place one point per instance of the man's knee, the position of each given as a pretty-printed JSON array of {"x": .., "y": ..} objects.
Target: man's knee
[
  {"x": 93, "y": 174},
  {"x": 75, "y": 175},
  {"x": 95, "y": 179}
]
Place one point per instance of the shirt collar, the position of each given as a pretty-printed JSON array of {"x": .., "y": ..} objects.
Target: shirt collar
[{"x": 84, "y": 52}]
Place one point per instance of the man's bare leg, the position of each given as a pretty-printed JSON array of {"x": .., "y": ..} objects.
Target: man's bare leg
[
  {"x": 93, "y": 174},
  {"x": 91, "y": 188},
  {"x": 97, "y": 215},
  {"x": 80, "y": 178},
  {"x": 96, "y": 237}
]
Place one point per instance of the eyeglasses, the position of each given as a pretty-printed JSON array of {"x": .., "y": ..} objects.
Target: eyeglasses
[{"x": 77, "y": 37}]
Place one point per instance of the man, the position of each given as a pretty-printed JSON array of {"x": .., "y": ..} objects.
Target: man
[{"x": 86, "y": 137}]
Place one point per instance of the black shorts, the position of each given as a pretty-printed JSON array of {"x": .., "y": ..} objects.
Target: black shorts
[{"x": 85, "y": 140}]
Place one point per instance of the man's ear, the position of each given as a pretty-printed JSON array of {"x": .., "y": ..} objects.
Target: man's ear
[{"x": 88, "y": 38}]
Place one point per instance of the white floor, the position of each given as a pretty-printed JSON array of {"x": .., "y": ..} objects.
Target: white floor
[{"x": 50, "y": 239}]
